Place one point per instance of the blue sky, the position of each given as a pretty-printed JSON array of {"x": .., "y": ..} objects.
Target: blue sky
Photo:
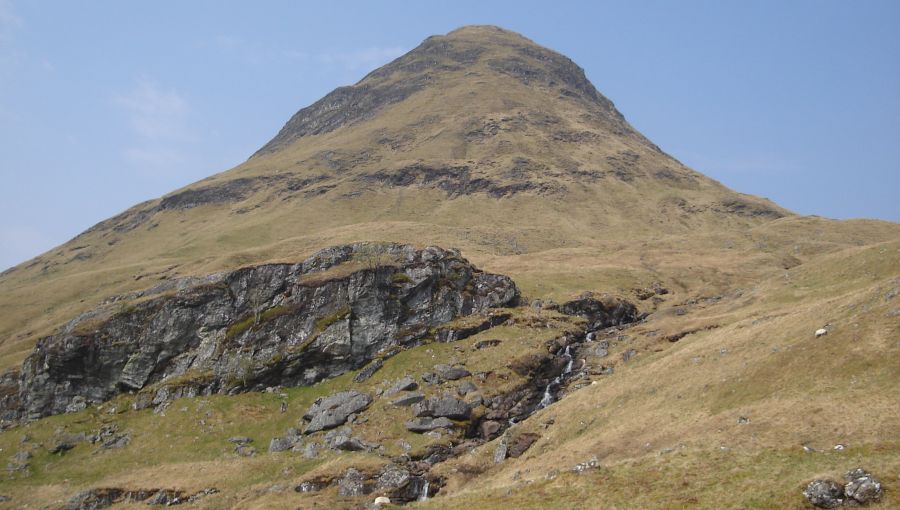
[{"x": 104, "y": 104}]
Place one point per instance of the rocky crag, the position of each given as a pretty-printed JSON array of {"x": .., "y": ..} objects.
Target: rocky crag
[{"x": 267, "y": 325}]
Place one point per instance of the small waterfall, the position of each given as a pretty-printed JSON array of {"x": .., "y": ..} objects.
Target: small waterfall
[
  {"x": 590, "y": 337},
  {"x": 568, "y": 354},
  {"x": 548, "y": 398},
  {"x": 424, "y": 495}
]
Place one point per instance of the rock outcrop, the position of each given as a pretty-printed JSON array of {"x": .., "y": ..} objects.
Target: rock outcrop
[{"x": 267, "y": 325}]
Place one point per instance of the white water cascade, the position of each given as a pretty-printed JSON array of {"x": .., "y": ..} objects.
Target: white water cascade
[
  {"x": 424, "y": 494},
  {"x": 547, "y": 399}
]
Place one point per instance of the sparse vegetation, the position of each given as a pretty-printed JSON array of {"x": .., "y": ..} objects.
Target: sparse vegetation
[{"x": 664, "y": 425}]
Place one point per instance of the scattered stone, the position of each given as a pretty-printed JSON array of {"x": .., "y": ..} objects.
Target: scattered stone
[
  {"x": 392, "y": 477},
  {"x": 584, "y": 466},
  {"x": 93, "y": 499},
  {"x": 489, "y": 429},
  {"x": 448, "y": 373},
  {"x": 244, "y": 450},
  {"x": 342, "y": 439},
  {"x": 119, "y": 441},
  {"x": 426, "y": 424},
  {"x": 743, "y": 420},
  {"x": 821, "y": 332},
  {"x": 314, "y": 485},
  {"x": 282, "y": 444},
  {"x": 628, "y": 354},
  {"x": 78, "y": 403},
  {"x": 409, "y": 399},
  {"x": 484, "y": 344},
  {"x": 448, "y": 407},
  {"x": 165, "y": 498},
  {"x": 414, "y": 489},
  {"x": 521, "y": 443},
  {"x": 431, "y": 378},
  {"x": 353, "y": 484},
  {"x": 62, "y": 447},
  {"x": 23, "y": 455},
  {"x": 601, "y": 312},
  {"x": 601, "y": 350},
  {"x": 824, "y": 493},
  {"x": 862, "y": 488},
  {"x": 332, "y": 411},
  {"x": 502, "y": 449},
  {"x": 240, "y": 440},
  {"x": 407, "y": 383},
  {"x": 311, "y": 450},
  {"x": 381, "y": 500},
  {"x": 465, "y": 388},
  {"x": 840, "y": 447},
  {"x": 3, "y": 498}
]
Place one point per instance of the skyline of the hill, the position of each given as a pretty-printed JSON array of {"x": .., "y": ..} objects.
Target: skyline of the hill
[{"x": 800, "y": 107}]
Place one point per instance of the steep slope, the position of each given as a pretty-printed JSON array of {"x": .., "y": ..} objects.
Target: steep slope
[
  {"x": 479, "y": 139},
  {"x": 702, "y": 396}
]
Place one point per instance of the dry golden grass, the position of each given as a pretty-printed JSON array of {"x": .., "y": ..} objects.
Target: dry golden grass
[{"x": 762, "y": 287}]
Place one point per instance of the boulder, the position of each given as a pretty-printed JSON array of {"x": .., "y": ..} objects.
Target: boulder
[
  {"x": 601, "y": 312},
  {"x": 824, "y": 493},
  {"x": 862, "y": 488},
  {"x": 409, "y": 399},
  {"x": 245, "y": 450},
  {"x": 446, "y": 406},
  {"x": 392, "y": 477},
  {"x": 426, "y": 424},
  {"x": 502, "y": 449},
  {"x": 282, "y": 444},
  {"x": 489, "y": 428},
  {"x": 521, "y": 443},
  {"x": 412, "y": 490},
  {"x": 353, "y": 484},
  {"x": 407, "y": 383},
  {"x": 448, "y": 373},
  {"x": 332, "y": 411},
  {"x": 93, "y": 499},
  {"x": 465, "y": 388}
]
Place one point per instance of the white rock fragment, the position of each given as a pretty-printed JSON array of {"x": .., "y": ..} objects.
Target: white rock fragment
[{"x": 821, "y": 332}]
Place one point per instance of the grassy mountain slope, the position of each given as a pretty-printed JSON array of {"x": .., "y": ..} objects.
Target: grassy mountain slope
[{"x": 484, "y": 141}]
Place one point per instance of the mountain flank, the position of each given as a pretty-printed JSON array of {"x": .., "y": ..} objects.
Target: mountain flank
[{"x": 465, "y": 281}]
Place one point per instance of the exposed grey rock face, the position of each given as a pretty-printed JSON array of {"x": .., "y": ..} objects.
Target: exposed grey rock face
[
  {"x": 369, "y": 371},
  {"x": 332, "y": 411},
  {"x": 269, "y": 325},
  {"x": 447, "y": 407}
]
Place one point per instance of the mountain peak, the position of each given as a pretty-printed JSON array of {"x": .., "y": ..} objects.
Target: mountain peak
[{"x": 467, "y": 53}]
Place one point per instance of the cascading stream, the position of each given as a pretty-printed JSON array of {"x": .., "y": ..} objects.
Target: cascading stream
[{"x": 548, "y": 397}]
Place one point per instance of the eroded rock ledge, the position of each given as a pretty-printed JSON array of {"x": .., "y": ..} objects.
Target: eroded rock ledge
[{"x": 274, "y": 324}]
